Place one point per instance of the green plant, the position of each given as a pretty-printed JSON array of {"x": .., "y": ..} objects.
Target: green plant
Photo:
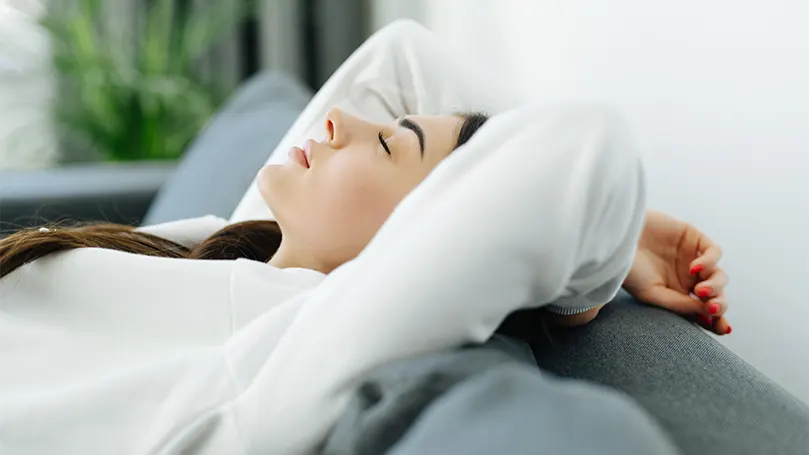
[{"x": 137, "y": 97}]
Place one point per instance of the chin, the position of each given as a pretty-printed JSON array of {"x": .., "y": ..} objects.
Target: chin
[{"x": 267, "y": 180}]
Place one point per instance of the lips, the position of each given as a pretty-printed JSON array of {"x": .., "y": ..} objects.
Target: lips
[
  {"x": 302, "y": 156},
  {"x": 297, "y": 155},
  {"x": 307, "y": 150}
]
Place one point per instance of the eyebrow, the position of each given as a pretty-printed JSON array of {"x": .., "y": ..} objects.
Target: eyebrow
[{"x": 404, "y": 122}]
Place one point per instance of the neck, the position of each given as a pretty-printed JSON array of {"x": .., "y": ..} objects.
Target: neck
[{"x": 287, "y": 257}]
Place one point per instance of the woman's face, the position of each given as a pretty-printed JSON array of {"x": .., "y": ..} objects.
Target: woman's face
[{"x": 331, "y": 197}]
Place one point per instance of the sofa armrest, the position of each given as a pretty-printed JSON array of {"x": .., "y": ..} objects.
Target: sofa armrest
[
  {"x": 701, "y": 393},
  {"x": 117, "y": 193}
]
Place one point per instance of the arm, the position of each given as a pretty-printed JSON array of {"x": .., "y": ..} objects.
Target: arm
[
  {"x": 402, "y": 69},
  {"x": 674, "y": 262},
  {"x": 543, "y": 205}
]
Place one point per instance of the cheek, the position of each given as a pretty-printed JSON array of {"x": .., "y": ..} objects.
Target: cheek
[
  {"x": 360, "y": 192},
  {"x": 352, "y": 201}
]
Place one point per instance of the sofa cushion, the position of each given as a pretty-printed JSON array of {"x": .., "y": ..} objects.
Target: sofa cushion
[{"x": 217, "y": 169}]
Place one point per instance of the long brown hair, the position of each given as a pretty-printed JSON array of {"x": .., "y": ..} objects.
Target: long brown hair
[{"x": 255, "y": 240}]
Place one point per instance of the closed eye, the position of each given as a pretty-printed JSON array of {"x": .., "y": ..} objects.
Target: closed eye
[{"x": 384, "y": 144}]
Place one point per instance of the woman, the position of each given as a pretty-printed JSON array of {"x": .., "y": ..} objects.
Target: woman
[{"x": 112, "y": 352}]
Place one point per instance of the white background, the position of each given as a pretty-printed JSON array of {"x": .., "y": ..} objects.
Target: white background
[{"x": 717, "y": 94}]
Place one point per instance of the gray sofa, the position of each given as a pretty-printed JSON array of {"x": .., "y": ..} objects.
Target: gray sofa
[{"x": 706, "y": 398}]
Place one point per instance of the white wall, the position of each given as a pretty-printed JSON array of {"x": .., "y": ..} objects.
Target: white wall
[{"x": 717, "y": 93}]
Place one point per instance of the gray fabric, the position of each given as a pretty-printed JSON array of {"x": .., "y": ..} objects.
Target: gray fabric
[
  {"x": 707, "y": 399},
  {"x": 117, "y": 193},
  {"x": 484, "y": 401},
  {"x": 218, "y": 168}
]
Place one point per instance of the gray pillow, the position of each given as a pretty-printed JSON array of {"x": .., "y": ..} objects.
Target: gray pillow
[{"x": 220, "y": 165}]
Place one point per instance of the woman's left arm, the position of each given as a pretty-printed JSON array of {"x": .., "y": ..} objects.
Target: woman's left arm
[{"x": 675, "y": 267}]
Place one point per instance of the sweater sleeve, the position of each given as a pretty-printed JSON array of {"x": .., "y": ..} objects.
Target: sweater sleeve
[
  {"x": 95, "y": 340},
  {"x": 402, "y": 69},
  {"x": 544, "y": 205}
]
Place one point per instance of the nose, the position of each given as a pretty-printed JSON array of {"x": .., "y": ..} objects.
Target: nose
[
  {"x": 336, "y": 129},
  {"x": 342, "y": 128}
]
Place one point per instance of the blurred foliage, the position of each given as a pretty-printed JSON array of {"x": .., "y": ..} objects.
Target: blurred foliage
[{"x": 138, "y": 97}]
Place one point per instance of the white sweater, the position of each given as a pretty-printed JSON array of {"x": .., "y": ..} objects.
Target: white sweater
[{"x": 111, "y": 353}]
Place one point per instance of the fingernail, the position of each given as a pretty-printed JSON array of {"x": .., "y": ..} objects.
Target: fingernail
[
  {"x": 704, "y": 292},
  {"x": 730, "y": 329},
  {"x": 696, "y": 269},
  {"x": 713, "y": 308}
]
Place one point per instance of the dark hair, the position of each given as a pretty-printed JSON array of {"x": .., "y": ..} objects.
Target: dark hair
[
  {"x": 255, "y": 240},
  {"x": 471, "y": 124}
]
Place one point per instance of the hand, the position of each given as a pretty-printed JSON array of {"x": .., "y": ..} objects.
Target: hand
[{"x": 676, "y": 268}]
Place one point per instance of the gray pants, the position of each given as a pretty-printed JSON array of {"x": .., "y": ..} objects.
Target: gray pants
[{"x": 488, "y": 400}]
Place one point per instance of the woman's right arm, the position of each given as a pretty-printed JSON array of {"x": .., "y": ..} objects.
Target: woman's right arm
[
  {"x": 544, "y": 206},
  {"x": 402, "y": 69}
]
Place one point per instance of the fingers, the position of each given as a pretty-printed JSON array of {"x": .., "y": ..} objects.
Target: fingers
[
  {"x": 687, "y": 305},
  {"x": 707, "y": 263},
  {"x": 713, "y": 285},
  {"x": 719, "y": 326},
  {"x": 715, "y": 304},
  {"x": 715, "y": 307},
  {"x": 712, "y": 292},
  {"x": 673, "y": 301},
  {"x": 711, "y": 289}
]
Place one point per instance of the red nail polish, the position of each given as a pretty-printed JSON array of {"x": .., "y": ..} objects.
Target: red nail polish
[
  {"x": 704, "y": 292},
  {"x": 713, "y": 308},
  {"x": 696, "y": 269},
  {"x": 730, "y": 329},
  {"x": 705, "y": 321}
]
